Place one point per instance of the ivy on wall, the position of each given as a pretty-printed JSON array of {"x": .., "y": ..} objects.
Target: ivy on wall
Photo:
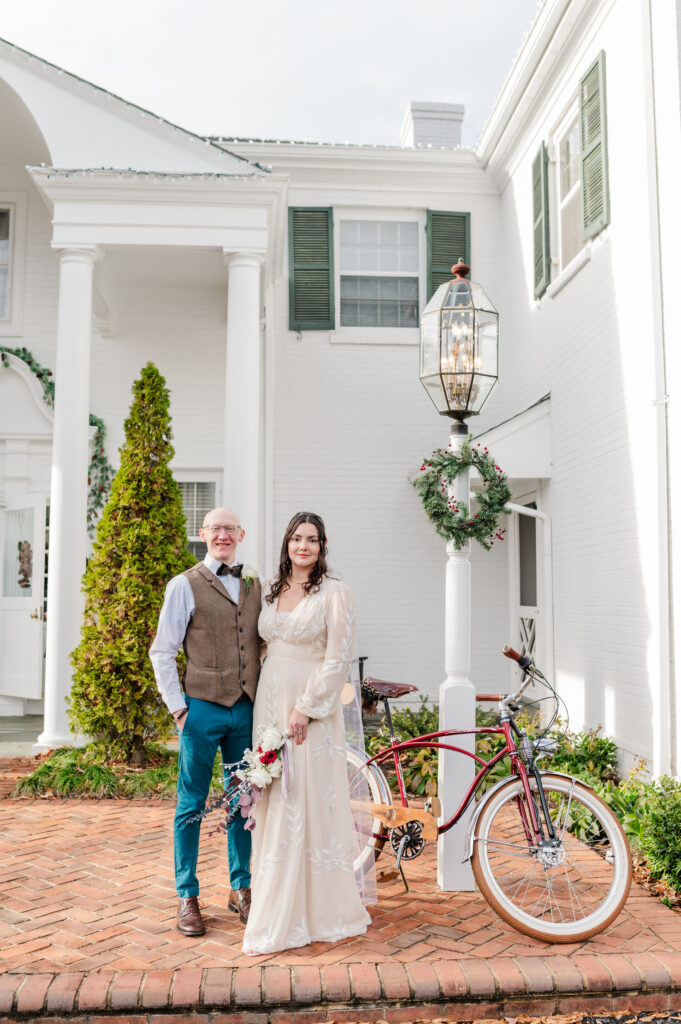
[{"x": 100, "y": 472}]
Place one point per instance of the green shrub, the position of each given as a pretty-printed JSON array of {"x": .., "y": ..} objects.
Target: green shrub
[
  {"x": 586, "y": 754},
  {"x": 661, "y": 832},
  {"x": 82, "y": 772},
  {"x": 140, "y": 545}
]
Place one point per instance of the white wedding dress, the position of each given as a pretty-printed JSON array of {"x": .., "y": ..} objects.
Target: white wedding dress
[{"x": 303, "y": 884}]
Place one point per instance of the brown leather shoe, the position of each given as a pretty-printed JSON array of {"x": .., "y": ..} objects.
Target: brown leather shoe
[
  {"x": 189, "y": 920},
  {"x": 240, "y": 902}
]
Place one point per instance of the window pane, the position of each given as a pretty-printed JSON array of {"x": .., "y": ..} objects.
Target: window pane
[
  {"x": 379, "y": 245},
  {"x": 571, "y": 228},
  {"x": 409, "y": 247},
  {"x": 569, "y": 159},
  {"x": 17, "y": 553},
  {"x": 197, "y": 499},
  {"x": 369, "y": 257},
  {"x": 527, "y": 550},
  {"x": 4, "y": 276},
  {"x": 4, "y": 230},
  {"x": 368, "y": 287},
  {"x": 379, "y": 302},
  {"x": 349, "y": 232},
  {"x": 389, "y": 287},
  {"x": 368, "y": 232},
  {"x": 389, "y": 233}
]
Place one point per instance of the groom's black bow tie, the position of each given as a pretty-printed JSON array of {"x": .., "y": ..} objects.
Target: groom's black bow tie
[{"x": 229, "y": 570}]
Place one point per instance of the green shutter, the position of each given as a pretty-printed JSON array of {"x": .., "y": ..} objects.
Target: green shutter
[
  {"x": 594, "y": 150},
  {"x": 449, "y": 239},
  {"x": 310, "y": 251},
  {"x": 540, "y": 215}
]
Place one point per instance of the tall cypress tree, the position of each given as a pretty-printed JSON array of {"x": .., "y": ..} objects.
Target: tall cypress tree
[{"x": 140, "y": 545}]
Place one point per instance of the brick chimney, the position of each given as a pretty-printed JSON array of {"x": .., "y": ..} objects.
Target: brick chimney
[{"x": 432, "y": 124}]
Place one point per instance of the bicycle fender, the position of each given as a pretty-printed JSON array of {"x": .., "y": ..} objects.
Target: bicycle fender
[{"x": 480, "y": 806}]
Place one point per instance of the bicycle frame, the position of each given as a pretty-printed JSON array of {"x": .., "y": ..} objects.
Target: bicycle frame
[{"x": 506, "y": 727}]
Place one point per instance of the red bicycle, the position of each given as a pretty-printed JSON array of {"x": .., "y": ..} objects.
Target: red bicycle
[{"x": 547, "y": 853}]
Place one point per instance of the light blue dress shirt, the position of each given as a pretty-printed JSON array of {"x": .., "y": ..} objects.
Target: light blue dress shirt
[{"x": 176, "y": 614}]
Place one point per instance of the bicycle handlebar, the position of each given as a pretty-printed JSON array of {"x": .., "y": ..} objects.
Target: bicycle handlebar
[{"x": 522, "y": 660}]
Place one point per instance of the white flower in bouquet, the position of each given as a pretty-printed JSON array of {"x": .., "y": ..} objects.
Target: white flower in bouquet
[
  {"x": 270, "y": 738},
  {"x": 259, "y": 777}
]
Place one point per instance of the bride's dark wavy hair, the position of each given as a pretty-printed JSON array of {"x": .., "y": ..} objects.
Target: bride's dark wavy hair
[{"x": 319, "y": 570}]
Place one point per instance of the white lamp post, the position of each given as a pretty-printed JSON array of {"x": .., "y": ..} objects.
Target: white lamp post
[{"x": 459, "y": 368}]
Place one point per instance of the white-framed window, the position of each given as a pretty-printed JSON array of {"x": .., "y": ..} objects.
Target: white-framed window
[
  {"x": 199, "y": 496},
  {"x": 569, "y": 190},
  {"x": 379, "y": 273},
  {"x": 379, "y": 259},
  {"x": 12, "y": 253}
]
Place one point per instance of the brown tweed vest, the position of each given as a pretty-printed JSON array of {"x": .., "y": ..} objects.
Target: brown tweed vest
[{"x": 221, "y": 643}]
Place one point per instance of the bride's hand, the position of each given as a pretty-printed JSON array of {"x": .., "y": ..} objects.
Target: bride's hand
[{"x": 297, "y": 726}]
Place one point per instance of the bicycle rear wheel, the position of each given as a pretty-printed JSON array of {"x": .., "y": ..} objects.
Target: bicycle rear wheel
[
  {"x": 370, "y": 831},
  {"x": 562, "y": 891}
]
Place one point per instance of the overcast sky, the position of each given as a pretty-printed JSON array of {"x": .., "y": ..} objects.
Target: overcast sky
[{"x": 327, "y": 70}]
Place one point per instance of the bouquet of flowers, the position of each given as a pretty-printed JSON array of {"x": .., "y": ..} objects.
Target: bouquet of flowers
[
  {"x": 248, "y": 777},
  {"x": 260, "y": 767}
]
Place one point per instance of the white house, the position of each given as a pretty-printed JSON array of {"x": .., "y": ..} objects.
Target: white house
[{"x": 277, "y": 285}]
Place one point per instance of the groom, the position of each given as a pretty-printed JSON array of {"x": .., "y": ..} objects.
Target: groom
[{"x": 212, "y": 613}]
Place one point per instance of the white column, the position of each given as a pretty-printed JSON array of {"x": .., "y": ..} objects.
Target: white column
[
  {"x": 241, "y": 475},
  {"x": 457, "y": 700},
  {"x": 69, "y": 487}
]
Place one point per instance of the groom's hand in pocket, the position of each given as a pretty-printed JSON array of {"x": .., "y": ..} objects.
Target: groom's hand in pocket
[
  {"x": 297, "y": 726},
  {"x": 180, "y": 718}
]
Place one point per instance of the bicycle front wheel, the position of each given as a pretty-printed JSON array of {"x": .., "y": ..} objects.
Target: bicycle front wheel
[
  {"x": 563, "y": 890},
  {"x": 370, "y": 832}
]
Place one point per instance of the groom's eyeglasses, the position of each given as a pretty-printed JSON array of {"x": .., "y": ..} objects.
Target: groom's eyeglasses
[{"x": 222, "y": 529}]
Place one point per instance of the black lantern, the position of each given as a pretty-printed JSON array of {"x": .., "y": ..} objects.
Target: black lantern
[{"x": 459, "y": 346}]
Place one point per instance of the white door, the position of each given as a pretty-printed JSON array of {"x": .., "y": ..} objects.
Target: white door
[{"x": 22, "y": 570}]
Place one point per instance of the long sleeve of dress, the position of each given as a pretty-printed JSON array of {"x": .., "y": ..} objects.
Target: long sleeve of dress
[{"x": 324, "y": 687}]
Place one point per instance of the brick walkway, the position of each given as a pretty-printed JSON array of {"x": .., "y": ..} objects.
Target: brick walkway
[{"x": 87, "y": 924}]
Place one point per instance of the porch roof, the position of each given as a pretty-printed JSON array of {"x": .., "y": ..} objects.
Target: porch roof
[{"x": 521, "y": 444}]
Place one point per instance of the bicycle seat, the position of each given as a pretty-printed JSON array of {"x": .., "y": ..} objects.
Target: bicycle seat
[{"x": 387, "y": 689}]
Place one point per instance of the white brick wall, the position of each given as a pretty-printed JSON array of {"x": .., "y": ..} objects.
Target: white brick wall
[{"x": 592, "y": 346}]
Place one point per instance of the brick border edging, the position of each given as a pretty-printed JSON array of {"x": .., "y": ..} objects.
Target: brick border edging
[{"x": 464, "y": 989}]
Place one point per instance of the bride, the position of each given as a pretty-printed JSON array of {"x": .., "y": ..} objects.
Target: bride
[{"x": 303, "y": 884}]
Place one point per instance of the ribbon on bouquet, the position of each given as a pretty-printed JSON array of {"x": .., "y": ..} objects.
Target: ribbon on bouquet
[{"x": 287, "y": 767}]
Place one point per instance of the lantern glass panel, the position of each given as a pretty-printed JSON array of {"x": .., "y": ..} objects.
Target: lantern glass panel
[
  {"x": 480, "y": 298},
  {"x": 487, "y": 354},
  {"x": 433, "y": 386},
  {"x": 480, "y": 391},
  {"x": 435, "y": 302},
  {"x": 457, "y": 389},
  {"x": 430, "y": 346},
  {"x": 457, "y": 336}
]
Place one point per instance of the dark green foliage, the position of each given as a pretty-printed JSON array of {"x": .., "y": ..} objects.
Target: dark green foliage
[
  {"x": 454, "y": 520},
  {"x": 140, "y": 545},
  {"x": 586, "y": 754},
  {"x": 420, "y": 768},
  {"x": 661, "y": 835},
  {"x": 84, "y": 773}
]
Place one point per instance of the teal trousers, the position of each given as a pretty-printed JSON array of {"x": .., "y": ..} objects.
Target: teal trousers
[{"x": 207, "y": 727}]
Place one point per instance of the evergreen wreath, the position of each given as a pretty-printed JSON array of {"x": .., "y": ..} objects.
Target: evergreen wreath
[
  {"x": 100, "y": 471},
  {"x": 452, "y": 519}
]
